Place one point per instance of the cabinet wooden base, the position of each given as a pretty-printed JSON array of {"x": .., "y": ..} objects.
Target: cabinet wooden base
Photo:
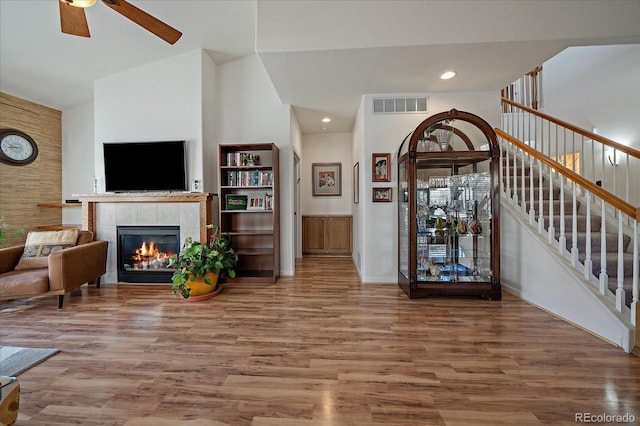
[{"x": 480, "y": 290}]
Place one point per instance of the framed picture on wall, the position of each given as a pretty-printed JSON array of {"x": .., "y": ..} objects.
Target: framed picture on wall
[
  {"x": 327, "y": 179},
  {"x": 356, "y": 183},
  {"x": 381, "y": 167},
  {"x": 381, "y": 195}
]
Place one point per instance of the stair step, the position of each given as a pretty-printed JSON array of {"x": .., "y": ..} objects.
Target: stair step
[
  {"x": 536, "y": 193},
  {"x": 581, "y": 222},
  {"x": 612, "y": 273},
  {"x": 611, "y": 240},
  {"x": 612, "y": 264},
  {"x": 568, "y": 208},
  {"x": 517, "y": 171}
]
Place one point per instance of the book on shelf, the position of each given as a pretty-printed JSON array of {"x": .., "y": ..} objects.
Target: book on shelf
[
  {"x": 249, "y": 178},
  {"x": 235, "y": 159}
]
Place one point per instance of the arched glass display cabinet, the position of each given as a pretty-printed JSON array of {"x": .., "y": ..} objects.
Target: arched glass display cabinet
[{"x": 448, "y": 208}]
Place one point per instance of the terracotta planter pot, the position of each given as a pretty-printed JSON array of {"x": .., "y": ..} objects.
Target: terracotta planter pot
[{"x": 200, "y": 290}]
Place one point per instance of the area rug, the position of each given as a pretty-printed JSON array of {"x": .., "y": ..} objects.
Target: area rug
[{"x": 14, "y": 360}]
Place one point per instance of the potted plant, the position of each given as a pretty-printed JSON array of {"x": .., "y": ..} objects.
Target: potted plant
[
  {"x": 8, "y": 234},
  {"x": 200, "y": 266}
]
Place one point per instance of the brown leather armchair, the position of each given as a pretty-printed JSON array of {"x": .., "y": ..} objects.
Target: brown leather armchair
[{"x": 67, "y": 270}]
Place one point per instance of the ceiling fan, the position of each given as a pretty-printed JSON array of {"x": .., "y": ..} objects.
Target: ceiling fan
[{"x": 74, "y": 21}]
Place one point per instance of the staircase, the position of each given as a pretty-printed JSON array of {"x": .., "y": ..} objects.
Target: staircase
[{"x": 590, "y": 229}]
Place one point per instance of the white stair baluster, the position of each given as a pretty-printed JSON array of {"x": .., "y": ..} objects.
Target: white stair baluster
[
  {"x": 523, "y": 200},
  {"x": 514, "y": 195},
  {"x": 506, "y": 168},
  {"x": 602, "y": 167},
  {"x": 551, "y": 232},
  {"x": 593, "y": 160},
  {"x": 620, "y": 289},
  {"x": 604, "y": 278},
  {"x": 532, "y": 210},
  {"x": 588, "y": 264},
  {"x": 627, "y": 185},
  {"x": 540, "y": 198},
  {"x": 614, "y": 188},
  {"x": 562, "y": 240},
  {"x": 574, "y": 227},
  {"x": 574, "y": 163},
  {"x": 635, "y": 292},
  {"x": 582, "y": 159},
  {"x": 501, "y": 169}
]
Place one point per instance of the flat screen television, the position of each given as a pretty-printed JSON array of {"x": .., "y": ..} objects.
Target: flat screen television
[{"x": 145, "y": 166}]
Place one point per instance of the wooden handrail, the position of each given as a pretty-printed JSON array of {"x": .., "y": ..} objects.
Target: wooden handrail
[
  {"x": 605, "y": 195},
  {"x": 605, "y": 141}
]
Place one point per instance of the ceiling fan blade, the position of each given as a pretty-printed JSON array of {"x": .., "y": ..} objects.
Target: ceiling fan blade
[
  {"x": 146, "y": 21},
  {"x": 73, "y": 20}
]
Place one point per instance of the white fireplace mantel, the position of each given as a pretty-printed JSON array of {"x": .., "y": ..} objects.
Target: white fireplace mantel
[{"x": 204, "y": 199}]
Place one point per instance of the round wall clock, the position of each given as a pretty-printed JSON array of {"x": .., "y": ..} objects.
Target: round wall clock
[{"x": 17, "y": 148}]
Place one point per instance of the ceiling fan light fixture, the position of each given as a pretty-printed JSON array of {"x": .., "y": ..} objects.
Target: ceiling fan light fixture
[{"x": 80, "y": 3}]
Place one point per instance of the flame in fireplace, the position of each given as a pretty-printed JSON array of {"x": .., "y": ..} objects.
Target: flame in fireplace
[
  {"x": 148, "y": 256},
  {"x": 144, "y": 251}
]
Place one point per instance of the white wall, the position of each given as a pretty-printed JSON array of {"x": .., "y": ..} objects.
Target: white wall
[
  {"x": 326, "y": 148},
  {"x": 251, "y": 111},
  {"x": 296, "y": 143},
  {"x": 357, "y": 210},
  {"x": 158, "y": 101},
  {"x": 77, "y": 151},
  {"x": 598, "y": 87},
  {"x": 296, "y": 134},
  {"x": 383, "y": 133}
]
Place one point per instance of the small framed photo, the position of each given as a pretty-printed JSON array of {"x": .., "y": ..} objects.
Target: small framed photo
[
  {"x": 256, "y": 202},
  {"x": 356, "y": 183},
  {"x": 381, "y": 167},
  {"x": 327, "y": 179},
  {"x": 381, "y": 195}
]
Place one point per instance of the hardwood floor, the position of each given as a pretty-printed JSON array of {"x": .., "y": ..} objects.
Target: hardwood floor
[{"x": 319, "y": 348}]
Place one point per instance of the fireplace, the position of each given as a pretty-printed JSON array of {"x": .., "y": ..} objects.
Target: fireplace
[{"x": 143, "y": 253}]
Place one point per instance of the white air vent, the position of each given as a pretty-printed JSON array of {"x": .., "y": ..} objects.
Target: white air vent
[{"x": 399, "y": 105}]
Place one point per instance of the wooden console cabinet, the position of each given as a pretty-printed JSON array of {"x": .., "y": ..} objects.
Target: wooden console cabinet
[{"x": 327, "y": 235}]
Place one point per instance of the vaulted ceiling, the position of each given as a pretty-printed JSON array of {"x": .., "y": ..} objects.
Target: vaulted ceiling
[{"x": 321, "y": 56}]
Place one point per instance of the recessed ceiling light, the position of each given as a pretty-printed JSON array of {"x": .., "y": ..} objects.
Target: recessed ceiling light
[
  {"x": 326, "y": 120},
  {"x": 447, "y": 75}
]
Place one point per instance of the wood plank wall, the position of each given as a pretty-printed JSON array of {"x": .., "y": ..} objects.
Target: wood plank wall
[{"x": 23, "y": 187}]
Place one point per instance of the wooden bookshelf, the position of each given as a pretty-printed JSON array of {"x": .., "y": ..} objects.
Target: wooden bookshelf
[{"x": 250, "y": 172}]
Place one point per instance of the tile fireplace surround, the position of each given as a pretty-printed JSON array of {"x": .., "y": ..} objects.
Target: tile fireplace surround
[{"x": 103, "y": 213}]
